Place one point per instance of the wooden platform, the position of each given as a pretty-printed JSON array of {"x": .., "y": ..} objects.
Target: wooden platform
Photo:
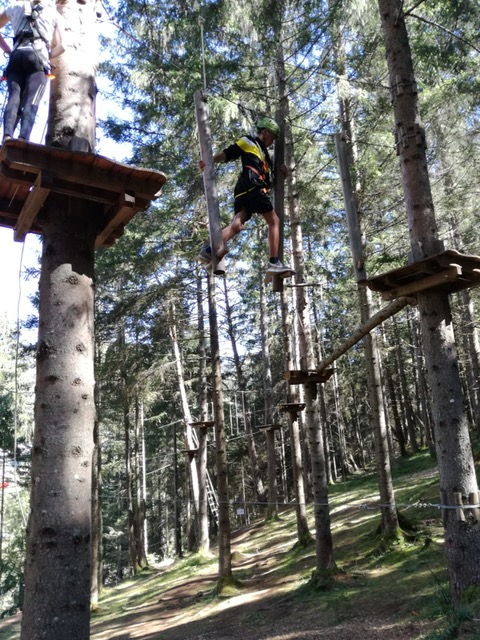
[
  {"x": 291, "y": 407},
  {"x": 202, "y": 424},
  {"x": 270, "y": 427},
  {"x": 449, "y": 271},
  {"x": 306, "y": 377},
  {"x": 30, "y": 172}
]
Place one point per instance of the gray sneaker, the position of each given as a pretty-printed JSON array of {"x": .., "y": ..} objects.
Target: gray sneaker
[
  {"x": 279, "y": 269},
  {"x": 205, "y": 256}
]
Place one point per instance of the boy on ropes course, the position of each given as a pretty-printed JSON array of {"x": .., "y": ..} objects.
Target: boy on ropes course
[
  {"x": 250, "y": 192},
  {"x": 37, "y": 39}
]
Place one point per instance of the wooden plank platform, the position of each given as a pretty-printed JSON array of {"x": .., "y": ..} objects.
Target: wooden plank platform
[
  {"x": 306, "y": 377},
  {"x": 291, "y": 407},
  {"x": 270, "y": 427},
  {"x": 449, "y": 271},
  {"x": 203, "y": 424},
  {"x": 30, "y": 172}
]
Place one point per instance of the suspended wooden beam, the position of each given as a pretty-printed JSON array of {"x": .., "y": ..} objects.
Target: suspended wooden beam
[
  {"x": 270, "y": 427},
  {"x": 291, "y": 407},
  {"x": 362, "y": 331},
  {"x": 203, "y": 424},
  {"x": 307, "y": 377},
  {"x": 449, "y": 271},
  {"x": 210, "y": 184}
]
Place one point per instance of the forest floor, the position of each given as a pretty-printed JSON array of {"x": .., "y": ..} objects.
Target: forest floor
[{"x": 391, "y": 594}]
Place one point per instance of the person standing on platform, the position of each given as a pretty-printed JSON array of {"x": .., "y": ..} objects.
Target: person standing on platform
[
  {"x": 37, "y": 39},
  {"x": 251, "y": 191}
]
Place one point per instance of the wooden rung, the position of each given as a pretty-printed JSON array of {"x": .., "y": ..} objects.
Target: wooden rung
[
  {"x": 203, "y": 424},
  {"x": 291, "y": 407},
  {"x": 270, "y": 427},
  {"x": 306, "y": 377},
  {"x": 191, "y": 452}
]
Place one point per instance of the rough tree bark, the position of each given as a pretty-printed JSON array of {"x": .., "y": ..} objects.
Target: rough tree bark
[
  {"x": 224, "y": 545},
  {"x": 204, "y": 540},
  {"x": 456, "y": 467},
  {"x": 58, "y": 558},
  {"x": 323, "y": 537}
]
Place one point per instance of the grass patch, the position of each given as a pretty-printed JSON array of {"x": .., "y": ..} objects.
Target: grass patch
[{"x": 272, "y": 576}]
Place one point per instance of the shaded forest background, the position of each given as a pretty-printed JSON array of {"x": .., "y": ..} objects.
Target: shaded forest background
[{"x": 151, "y": 318}]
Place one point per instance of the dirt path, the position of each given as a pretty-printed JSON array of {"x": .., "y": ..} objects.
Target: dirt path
[{"x": 268, "y": 606}]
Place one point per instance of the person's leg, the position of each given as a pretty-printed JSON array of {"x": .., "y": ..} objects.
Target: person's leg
[
  {"x": 231, "y": 230},
  {"x": 34, "y": 88},
  {"x": 273, "y": 223},
  {"x": 275, "y": 266},
  {"x": 15, "y": 84},
  {"x": 236, "y": 225},
  {"x": 12, "y": 106}
]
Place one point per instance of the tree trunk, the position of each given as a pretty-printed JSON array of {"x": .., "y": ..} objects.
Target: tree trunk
[
  {"x": 139, "y": 501},
  {"x": 390, "y": 527},
  {"x": 272, "y": 508},
  {"x": 203, "y": 537},
  {"x": 58, "y": 557},
  {"x": 259, "y": 489},
  {"x": 454, "y": 453},
  {"x": 224, "y": 545},
  {"x": 97, "y": 521},
  {"x": 405, "y": 395},
  {"x": 72, "y": 104},
  {"x": 192, "y": 531},
  {"x": 324, "y": 544},
  {"x": 472, "y": 353},
  {"x": 132, "y": 538}
]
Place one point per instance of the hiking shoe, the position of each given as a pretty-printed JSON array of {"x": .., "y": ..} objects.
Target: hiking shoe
[
  {"x": 205, "y": 256},
  {"x": 280, "y": 269}
]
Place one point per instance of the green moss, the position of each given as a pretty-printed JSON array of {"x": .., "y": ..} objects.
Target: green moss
[{"x": 228, "y": 587}]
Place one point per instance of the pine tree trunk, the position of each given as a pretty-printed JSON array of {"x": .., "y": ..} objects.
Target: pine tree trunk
[
  {"x": 259, "y": 489},
  {"x": 192, "y": 531},
  {"x": 97, "y": 520},
  {"x": 224, "y": 545},
  {"x": 454, "y": 453},
  {"x": 405, "y": 395},
  {"x": 303, "y": 531},
  {"x": 142, "y": 561},
  {"x": 423, "y": 399},
  {"x": 390, "y": 526},
  {"x": 132, "y": 539},
  {"x": 472, "y": 353},
  {"x": 204, "y": 540},
  {"x": 72, "y": 104},
  {"x": 58, "y": 557},
  {"x": 324, "y": 544},
  {"x": 394, "y": 408},
  {"x": 272, "y": 505}
]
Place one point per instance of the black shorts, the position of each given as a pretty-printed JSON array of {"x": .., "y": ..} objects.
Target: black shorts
[{"x": 251, "y": 198}]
